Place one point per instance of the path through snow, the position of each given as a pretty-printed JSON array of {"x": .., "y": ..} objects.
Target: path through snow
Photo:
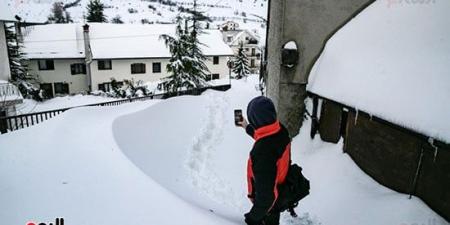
[{"x": 199, "y": 161}]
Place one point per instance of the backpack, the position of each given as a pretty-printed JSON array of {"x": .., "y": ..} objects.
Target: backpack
[{"x": 294, "y": 189}]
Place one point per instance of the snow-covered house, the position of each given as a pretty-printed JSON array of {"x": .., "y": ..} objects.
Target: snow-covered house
[
  {"x": 382, "y": 84},
  {"x": 119, "y": 51},
  {"x": 251, "y": 45},
  {"x": 9, "y": 94},
  {"x": 229, "y": 26}
]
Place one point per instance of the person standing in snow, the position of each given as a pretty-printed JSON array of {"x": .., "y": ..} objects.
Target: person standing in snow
[{"x": 269, "y": 160}]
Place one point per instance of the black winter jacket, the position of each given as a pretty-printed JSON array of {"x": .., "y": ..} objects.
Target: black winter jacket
[{"x": 267, "y": 167}]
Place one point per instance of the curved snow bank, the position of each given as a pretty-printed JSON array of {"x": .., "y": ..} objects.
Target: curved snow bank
[
  {"x": 190, "y": 146},
  {"x": 70, "y": 167}
]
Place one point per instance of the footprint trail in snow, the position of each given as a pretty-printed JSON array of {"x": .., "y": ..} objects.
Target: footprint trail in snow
[{"x": 202, "y": 173}]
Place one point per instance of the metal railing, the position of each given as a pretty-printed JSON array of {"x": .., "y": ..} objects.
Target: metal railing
[{"x": 12, "y": 123}]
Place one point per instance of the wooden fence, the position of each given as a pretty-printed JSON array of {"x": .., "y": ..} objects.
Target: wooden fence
[{"x": 12, "y": 123}]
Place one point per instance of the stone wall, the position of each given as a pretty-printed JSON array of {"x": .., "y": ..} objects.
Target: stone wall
[{"x": 309, "y": 24}]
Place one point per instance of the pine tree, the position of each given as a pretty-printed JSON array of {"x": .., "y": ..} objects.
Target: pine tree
[
  {"x": 240, "y": 63},
  {"x": 178, "y": 48},
  {"x": 95, "y": 12},
  {"x": 198, "y": 66},
  {"x": 19, "y": 69},
  {"x": 59, "y": 14},
  {"x": 187, "y": 64}
]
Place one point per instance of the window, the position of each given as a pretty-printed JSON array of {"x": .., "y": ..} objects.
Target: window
[
  {"x": 229, "y": 38},
  {"x": 247, "y": 49},
  {"x": 253, "y": 41},
  {"x": 104, "y": 64},
  {"x": 78, "y": 68},
  {"x": 252, "y": 63},
  {"x": 137, "y": 68},
  {"x": 208, "y": 77},
  {"x": 216, "y": 60},
  {"x": 61, "y": 88},
  {"x": 157, "y": 67},
  {"x": 215, "y": 76},
  {"x": 48, "y": 89},
  {"x": 253, "y": 51},
  {"x": 46, "y": 64}
]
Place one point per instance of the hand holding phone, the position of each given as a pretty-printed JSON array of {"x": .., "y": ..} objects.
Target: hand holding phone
[{"x": 238, "y": 118}]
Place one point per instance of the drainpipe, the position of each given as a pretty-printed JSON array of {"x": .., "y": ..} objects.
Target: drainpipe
[{"x": 87, "y": 55}]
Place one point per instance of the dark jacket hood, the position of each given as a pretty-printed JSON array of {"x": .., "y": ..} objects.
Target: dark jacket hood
[{"x": 261, "y": 112}]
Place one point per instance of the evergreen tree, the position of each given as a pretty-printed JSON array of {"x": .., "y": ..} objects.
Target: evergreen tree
[
  {"x": 187, "y": 65},
  {"x": 240, "y": 63},
  {"x": 18, "y": 65},
  {"x": 59, "y": 14},
  {"x": 198, "y": 66},
  {"x": 95, "y": 12},
  {"x": 178, "y": 48}
]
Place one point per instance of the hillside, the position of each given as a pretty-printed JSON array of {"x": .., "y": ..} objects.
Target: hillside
[{"x": 250, "y": 14}]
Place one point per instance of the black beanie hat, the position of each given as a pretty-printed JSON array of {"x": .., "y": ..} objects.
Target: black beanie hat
[{"x": 261, "y": 112}]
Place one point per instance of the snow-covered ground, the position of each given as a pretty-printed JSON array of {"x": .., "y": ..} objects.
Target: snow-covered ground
[
  {"x": 176, "y": 161},
  {"x": 31, "y": 106}
]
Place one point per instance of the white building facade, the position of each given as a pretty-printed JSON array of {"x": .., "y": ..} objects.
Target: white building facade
[
  {"x": 122, "y": 52},
  {"x": 251, "y": 45}
]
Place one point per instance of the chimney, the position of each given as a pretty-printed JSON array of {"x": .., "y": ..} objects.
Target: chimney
[{"x": 87, "y": 55}]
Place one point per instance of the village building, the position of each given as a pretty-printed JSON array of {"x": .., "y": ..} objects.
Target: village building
[
  {"x": 229, "y": 26},
  {"x": 384, "y": 93},
  {"x": 9, "y": 93},
  {"x": 234, "y": 36},
  {"x": 56, "y": 53}
]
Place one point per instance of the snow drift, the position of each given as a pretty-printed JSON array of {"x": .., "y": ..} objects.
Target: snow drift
[
  {"x": 177, "y": 161},
  {"x": 392, "y": 61}
]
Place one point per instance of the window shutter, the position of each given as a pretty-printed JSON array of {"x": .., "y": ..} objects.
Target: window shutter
[{"x": 72, "y": 69}]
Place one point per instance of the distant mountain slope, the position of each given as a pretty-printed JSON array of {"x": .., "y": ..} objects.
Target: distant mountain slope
[{"x": 250, "y": 14}]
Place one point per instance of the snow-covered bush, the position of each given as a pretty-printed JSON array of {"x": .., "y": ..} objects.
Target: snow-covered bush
[{"x": 129, "y": 89}]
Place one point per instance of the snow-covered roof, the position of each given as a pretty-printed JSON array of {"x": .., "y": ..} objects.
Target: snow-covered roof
[
  {"x": 243, "y": 32},
  {"x": 5, "y": 12},
  {"x": 54, "y": 41},
  {"x": 392, "y": 61},
  {"x": 111, "y": 41}
]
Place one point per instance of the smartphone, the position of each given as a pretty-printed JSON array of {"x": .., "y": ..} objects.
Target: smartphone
[{"x": 238, "y": 116}]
